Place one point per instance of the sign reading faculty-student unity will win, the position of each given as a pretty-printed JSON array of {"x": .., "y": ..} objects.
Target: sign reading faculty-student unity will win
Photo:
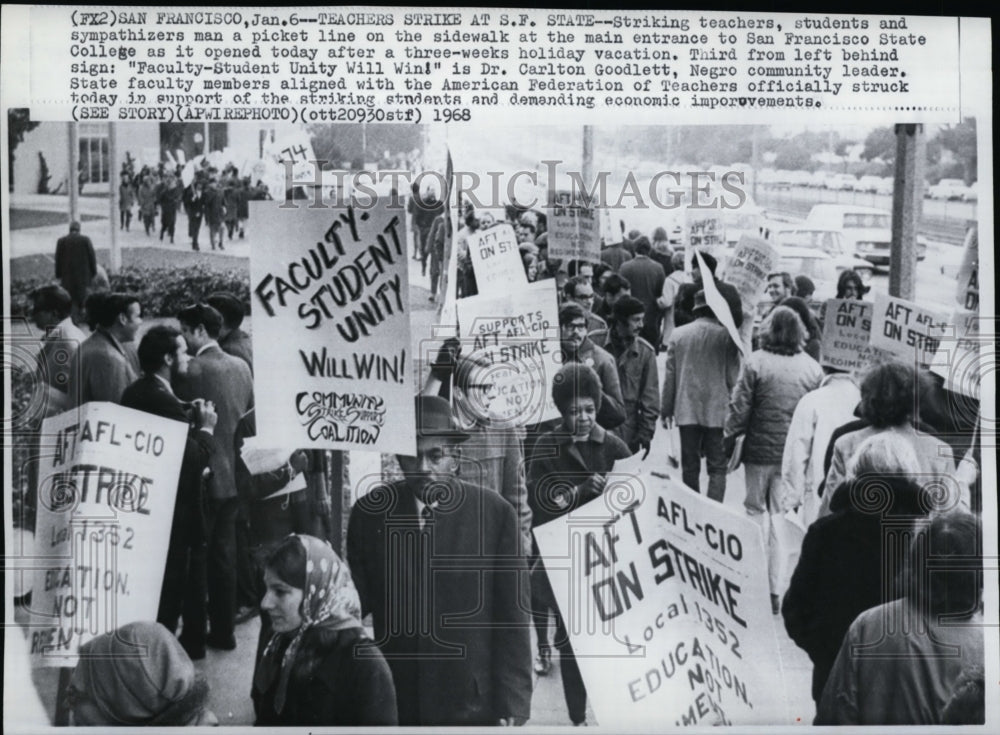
[
  {"x": 107, "y": 484},
  {"x": 331, "y": 328},
  {"x": 665, "y": 598}
]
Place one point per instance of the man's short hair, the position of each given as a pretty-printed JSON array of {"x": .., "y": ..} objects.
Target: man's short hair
[
  {"x": 570, "y": 288},
  {"x": 786, "y": 280},
  {"x": 616, "y": 283},
  {"x": 158, "y": 342},
  {"x": 575, "y": 380},
  {"x": 52, "y": 298},
  {"x": 104, "y": 308},
  {"x": 570, "y": 312},
  {"x": 642, "y": 245},
  {"x": 201, "y": 315},
  {"x": 74, "y": 226},
  {"x": 574, "y": 267},
  {"x": 229, "y": 306}
]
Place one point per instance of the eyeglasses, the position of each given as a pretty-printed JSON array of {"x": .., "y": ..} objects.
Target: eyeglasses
[{"x": 576, "y": 326}]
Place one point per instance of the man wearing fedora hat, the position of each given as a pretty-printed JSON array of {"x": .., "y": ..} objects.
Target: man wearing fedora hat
[
  {"x": 703, "y": 365},
  {"x": 438, "y": 563}
]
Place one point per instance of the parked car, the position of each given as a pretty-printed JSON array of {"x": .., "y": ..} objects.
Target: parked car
[
  {"x": 841, "y": 182},
  {"x": 867, "y": 231},
  {"x": 972, "y": 193},
  {"x": 948, "y": 189},
  {"x": 867, "y": 183}
]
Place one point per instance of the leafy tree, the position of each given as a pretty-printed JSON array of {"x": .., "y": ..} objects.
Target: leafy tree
[
  {"x": 960, "y": 140},
  {"x": 880, "y": 143},
  {"x": 792, "y": 156},
  {"x": 19, "y": 123}
]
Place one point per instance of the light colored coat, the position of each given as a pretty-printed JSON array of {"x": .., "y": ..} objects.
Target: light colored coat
[
  {"x": 702, "y": 366},
  {"x": 817, "y": 416}
]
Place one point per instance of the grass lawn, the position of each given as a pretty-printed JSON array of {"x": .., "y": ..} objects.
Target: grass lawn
[
  {"x": 22, "y": 219},
  {"x": 40, "y": 266}
]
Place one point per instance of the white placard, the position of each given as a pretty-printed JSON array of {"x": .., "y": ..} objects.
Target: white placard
[
  {"x": 107, "y": 485},
  {"x": 335, "y": 298},
  {"x": 496, "y": 260}
]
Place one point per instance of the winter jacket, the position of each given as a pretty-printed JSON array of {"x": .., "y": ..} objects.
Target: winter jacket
[
  {"x": 702, "y": 366},
  {"x": 764, "y": 399},
  {"x": 846, "y": 566},
  {"x": 339, "y": 679}
]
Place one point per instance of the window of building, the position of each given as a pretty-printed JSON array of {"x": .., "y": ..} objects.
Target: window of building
[{"x": 94, "y": 158}]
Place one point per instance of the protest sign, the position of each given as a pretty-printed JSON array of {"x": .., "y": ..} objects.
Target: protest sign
[
  {"x": 107, "y": 485},
  {"x": 517, "y": 335},
  {"x": 574, "y": 228},
  {"x": 906, "y": 330},
  {"x": 295, "y": 147},
  {"x": 334, "y": 296},
  {"x": 718, "y": 304},
  {"x": 967, "y": 292},
  {"x": 668, "y": 590},
  {"x": 496, "y": 260},
  {"x": 747, "y": 267},
  {"x": 705, "y": 230},
  {"x": 847, "y": 330},
  {"x": 961, "y": 352}
]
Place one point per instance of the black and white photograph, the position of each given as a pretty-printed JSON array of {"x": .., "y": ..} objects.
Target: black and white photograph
[{"x": 421, "y": 367}]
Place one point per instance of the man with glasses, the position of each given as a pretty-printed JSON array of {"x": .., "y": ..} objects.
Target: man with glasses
[
  {"x": 580, "y": 290},
  {"x": 438, "y": 563},
  {"x": 577, "y": 347}
]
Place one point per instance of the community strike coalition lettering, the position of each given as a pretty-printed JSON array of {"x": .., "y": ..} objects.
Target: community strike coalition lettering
[{"x": 345, "y": 285}]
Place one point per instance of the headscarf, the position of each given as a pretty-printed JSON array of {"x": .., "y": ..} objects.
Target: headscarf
[{"x": 329, "y": 600}]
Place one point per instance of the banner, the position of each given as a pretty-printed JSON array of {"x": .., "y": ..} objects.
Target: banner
[
  {"x": 518, "y": 336},
  {"x": 574, "y": 229},
  {"x": 847, "y": 331},
  {"x": 295, "y": 146},
  {"x": 496, "y": 260},
  {"x": 719, "y": 306},
  {"x": 747, "y": 268},
  {"x": 665, "y": 598},
  {"x": 334, "y": 297},
  {"x": 107, "y": 485},
  {"x": 705, "y": 230},
  {"x": 905, "y": 329}
]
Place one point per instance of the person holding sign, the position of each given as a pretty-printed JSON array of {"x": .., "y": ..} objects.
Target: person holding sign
[
  {"x": 771, "y": 383},
  {"x": 568, "y": 469},
  {"x": 702, "y": 366},
  {"x": 319, "y": 668},
  {"x": 426, "y": 551},
  {"x": 163, "y": 357}
]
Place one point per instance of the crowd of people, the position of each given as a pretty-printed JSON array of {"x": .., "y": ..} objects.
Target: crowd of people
[
  {"x": 220, "y": 199},
  {"x": 817, "y": 441}
]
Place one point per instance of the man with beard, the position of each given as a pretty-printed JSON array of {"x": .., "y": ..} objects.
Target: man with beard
[
  {"x": 426, "y": 550},
  {"x": 577, "y": 347}
]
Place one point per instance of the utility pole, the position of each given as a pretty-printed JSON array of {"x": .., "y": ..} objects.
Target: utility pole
[
  {"x": 755, "y": 161},
  {"x": 907, "y": 193},
  {"x": 73, "y": 176},
  {"x": 116, "y": 253},
  {"x": 588, "y": 156}
]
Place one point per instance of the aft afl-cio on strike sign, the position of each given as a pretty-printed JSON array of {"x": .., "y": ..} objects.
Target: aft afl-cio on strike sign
[{"x": 331, "y": 328}]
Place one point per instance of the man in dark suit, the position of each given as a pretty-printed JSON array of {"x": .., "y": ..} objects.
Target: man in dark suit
[
  {"x": 226, "y": 381},
  {"x": 76, "y": 266},
  {"x": 438, "y": 564},
  {"x": 163, "y": 356},
  {"x": 232, "y": 339},
  {"x": 646, "y": 278},
  {"x": 105, "y": 365}
]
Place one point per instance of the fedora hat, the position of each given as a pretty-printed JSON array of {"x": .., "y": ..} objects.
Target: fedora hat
[{"x": 434, "y": 418}]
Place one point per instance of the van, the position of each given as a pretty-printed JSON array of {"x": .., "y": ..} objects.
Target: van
[{"x": 867, "y": 231}]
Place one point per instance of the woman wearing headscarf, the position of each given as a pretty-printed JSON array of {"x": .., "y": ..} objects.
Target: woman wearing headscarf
[
  {"x": 772, "y": 381},
  {"x": 113, "y": 686},
  {"x": 318, "y": 667}
]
